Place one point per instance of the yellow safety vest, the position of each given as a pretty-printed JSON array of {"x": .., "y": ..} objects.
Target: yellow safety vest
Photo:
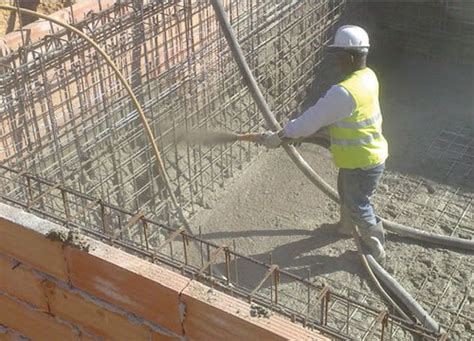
[{"x": 357, "y": 141}]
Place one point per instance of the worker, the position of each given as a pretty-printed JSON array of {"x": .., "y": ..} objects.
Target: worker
[{"x": 350, "y": 111}]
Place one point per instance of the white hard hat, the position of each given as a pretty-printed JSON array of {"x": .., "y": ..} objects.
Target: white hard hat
[{"x": 351, "y": 37}]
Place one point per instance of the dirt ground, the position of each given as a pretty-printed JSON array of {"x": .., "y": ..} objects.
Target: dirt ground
[
  {"x": 273, "y": 208},
  {"x": 45, "y": 6}
]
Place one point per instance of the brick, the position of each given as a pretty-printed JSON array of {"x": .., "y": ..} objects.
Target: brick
[
  {"x": 34, "y": 324},
  {"x": 23, "y": 238},
  {"x": 212, "y": 315},
  {"x": 84, "y": 337},
  {"x": 95, "y": 318},
  {"x": 10, "y": 335},
  {"x": 146, "y": 289},
  {"x": 18, "y": 281}
]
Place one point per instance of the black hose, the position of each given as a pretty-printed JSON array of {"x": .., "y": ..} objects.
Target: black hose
[
  {"x": 366, "y": 264},
  {"x": 408, "y": 301},
  {"x": 433, "y": 238}
]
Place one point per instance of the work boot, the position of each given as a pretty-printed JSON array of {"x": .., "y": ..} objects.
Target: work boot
[{"x": 373, "y": 239}]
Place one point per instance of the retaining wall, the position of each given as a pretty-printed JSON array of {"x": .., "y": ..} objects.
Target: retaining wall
[{"x": 58, "y": 286}]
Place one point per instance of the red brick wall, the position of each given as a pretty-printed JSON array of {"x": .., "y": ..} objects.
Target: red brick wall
[
  {"x": 55, "y": 93},
  {"x": 53, "y": 291},
  {"x": 38, "y": 29}
]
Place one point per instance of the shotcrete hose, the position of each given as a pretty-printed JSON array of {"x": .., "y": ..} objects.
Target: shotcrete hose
[
  {"x": 403, "y": 230},
  {"x": 426, "y": 320},
  {"x": 365, "y": 263},
  {"x": 433, "y": 238},
  {"x": 306, "y": 169}
]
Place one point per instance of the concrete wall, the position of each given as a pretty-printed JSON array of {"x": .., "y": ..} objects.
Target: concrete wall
[
  {"x": 59, "y": 286},
  {"x": 437, "y": 30}
]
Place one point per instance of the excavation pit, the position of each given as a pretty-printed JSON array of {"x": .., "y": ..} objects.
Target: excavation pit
[{"x": 74, "y": 152}]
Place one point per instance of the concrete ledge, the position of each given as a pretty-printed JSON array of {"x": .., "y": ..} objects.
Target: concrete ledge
[
  {"x": 23, "y": 238},
  {"x": 229, "y": 316}
]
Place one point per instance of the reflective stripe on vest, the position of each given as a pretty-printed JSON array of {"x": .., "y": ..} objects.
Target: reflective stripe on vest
[
  {"x": 376, "y": 119},
  {"x": 356, "y": 142}
]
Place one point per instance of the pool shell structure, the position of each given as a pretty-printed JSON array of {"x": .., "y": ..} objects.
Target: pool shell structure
[{"x": 73, "y": 149}]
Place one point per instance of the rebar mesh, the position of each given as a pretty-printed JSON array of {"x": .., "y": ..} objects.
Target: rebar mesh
[
  {"x": 73, "y": 150},
  {"x": 438, "y": 30},
  {"x": 442, "y": 206},
  {"x": 66, "y": 117},
  {"x": 343, "y": 313}
]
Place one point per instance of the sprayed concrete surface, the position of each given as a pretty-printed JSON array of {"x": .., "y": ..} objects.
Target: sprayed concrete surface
[{"x": 273, "y": 208}]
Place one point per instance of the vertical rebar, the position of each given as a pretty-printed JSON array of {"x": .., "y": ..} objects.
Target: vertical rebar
[{"x": 145, "y": 233}]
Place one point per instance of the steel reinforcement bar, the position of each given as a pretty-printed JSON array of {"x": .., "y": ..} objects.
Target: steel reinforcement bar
[
  {"x": 64, "y": 114},
  {"x": 264, "y": 283}
]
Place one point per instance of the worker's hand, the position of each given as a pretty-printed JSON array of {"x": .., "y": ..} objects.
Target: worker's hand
[{"x": 271, "y": 140}]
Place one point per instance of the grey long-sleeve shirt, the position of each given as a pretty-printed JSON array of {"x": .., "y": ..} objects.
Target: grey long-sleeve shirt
[{"x": 336, "y": 105}]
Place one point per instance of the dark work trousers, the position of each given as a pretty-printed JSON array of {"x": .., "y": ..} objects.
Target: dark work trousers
[{"x": 355, "y": 188}]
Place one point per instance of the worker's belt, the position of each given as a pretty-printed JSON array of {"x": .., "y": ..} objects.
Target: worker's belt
[
  {"x": 356, "y": 142},
  {"x": 376, "y": 118}
]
